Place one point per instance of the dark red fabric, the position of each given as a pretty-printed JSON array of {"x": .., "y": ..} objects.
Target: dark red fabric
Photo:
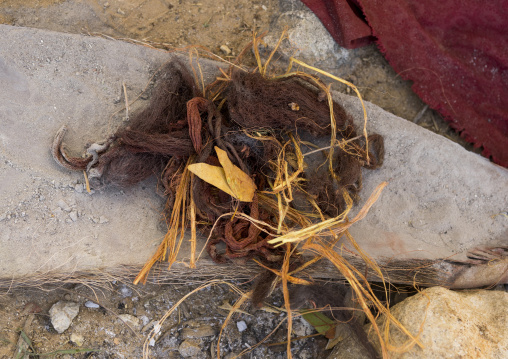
[
  {"x": 343, "y": 20},
  {"x": 455, "y": 52}
]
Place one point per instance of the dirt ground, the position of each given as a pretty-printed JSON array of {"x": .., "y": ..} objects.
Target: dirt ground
[{"x": 224, "y": 27}]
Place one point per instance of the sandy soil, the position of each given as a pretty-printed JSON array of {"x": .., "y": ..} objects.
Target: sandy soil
[{"x": 174, "y": 24}]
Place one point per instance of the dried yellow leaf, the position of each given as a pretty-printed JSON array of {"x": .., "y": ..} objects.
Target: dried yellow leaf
[
  {"x": 213, "y": 175},
  {"x": 228, "y": 178},
  {"x": 240, "y": 182}
]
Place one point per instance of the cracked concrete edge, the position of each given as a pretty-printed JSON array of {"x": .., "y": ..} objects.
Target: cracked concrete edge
[{"x": 441, "y": 200}]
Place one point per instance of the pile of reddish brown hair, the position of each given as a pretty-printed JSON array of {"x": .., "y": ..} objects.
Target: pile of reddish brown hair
[{"x": 250, "y": 118}]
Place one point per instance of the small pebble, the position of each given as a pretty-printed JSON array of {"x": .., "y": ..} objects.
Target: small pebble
[
  {"x": 241, "y": 325},
  {"x": 125, "y": 291},
  {"x": 77, "y": 339},
  {"x": 130, "y": 320},
  {"x": 90, "y": 304},
  {"x": 144, "y": 319},
  {"x": 189, "y": 349},
  {"x": 62, "y": 313},
  {"x": 200, "y": 332},
  {"x": 225, "y": 49},
  {"x": 103, "y": 220},
  {"x": 64, "y": 206},
  {"x": 79, "y": 188},
  {"x": 74, "y": 216}
]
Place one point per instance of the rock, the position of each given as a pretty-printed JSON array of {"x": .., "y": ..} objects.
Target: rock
[
  {"x": 125, "y": 291},
  {"x": 199, "y": 332},
  {"x": 241, "y": 325},
  {"x": 304, "y": 29},
  {"x": 301, "y": 327},
  {"x": 103, "y": 219},
  {"x": 77, "y": 339},
  {"x": 468, "y": 324},
  {"x": 225, "y": 49},
  {"x": 62, "y": 313},
  {"x": 64, "y": 206},
  {"x": 90, "y": 304},
  {"x": 73, "y": 216},
  {"x": 189, "y": 349},
  {"x": 131, "y": 320}
]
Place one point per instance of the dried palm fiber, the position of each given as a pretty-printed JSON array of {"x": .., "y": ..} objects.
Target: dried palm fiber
[
  {"x": 255, "y": 102},
  {"x": 180, "y": 124}
]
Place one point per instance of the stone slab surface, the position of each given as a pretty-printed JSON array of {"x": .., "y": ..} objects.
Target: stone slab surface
[{"x": 441, "y": 201}]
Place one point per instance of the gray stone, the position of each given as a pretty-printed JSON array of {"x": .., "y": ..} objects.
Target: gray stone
[
  {"x": 64, "y": 206},
  {"x": 189, "y": 349},
  {"x": 301, "y": 327},
  {"x": 304, "y": 29},
  {"x": 73, "y": 216},
  {"x": 468, "y": 324},
  {"x": 62, "y": 313}
]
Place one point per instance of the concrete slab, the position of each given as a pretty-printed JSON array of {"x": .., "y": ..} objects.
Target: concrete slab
[{"x": 442, "y": 201}]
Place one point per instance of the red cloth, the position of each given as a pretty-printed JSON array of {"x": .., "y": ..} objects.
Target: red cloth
[{"x": 455, "y": 52}]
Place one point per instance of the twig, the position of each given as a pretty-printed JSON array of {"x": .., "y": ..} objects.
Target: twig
[
  {"x": 126, "y": 102},
  {"x": 420, "y": 114}
]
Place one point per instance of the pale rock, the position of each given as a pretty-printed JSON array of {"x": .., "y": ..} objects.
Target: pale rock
[
  {"x": 467, "y": 324},
  {"x": 131, "y": 320},
  {"x": 189, "y": 349},
  {"x": 225, "y": 49},
  {"x": 73, "y": 216},
  {"x": 64, "y": 206},
  {"x": 199, "y": 332},
  {"x": 77, "y": 339},
  {"x": 304, "y": 29},
  {"x": 62, "y": 313},
  {"x": 301, "y": 327}
]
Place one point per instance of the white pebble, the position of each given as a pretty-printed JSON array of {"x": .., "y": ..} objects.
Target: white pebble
[
  {"x": 241, "y": 325},
  {"x": 90, "y": 304},
  {"x": 125, "y": 291}
]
